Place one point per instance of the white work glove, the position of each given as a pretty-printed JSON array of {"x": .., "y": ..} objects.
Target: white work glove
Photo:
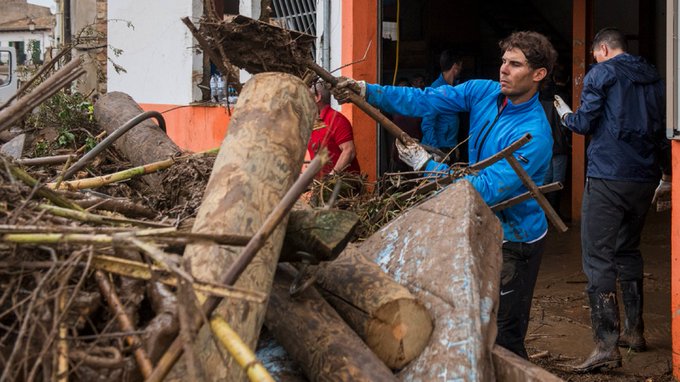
[
  {"x": 346, "y": 85},
  {"x": 662, "y": 195},
  {"x": 413, "y": 154},
  {"x": 561, "y": 107}
]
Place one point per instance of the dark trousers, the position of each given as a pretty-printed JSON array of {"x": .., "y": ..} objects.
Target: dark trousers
[
  {"x": 612, "y": 218},
  {"x": 518, "y": 278}
]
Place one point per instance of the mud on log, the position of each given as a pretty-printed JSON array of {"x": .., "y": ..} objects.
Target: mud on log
[
  {"x": 144, "y": 143},
  {"x": 317, "y": 338},
  {"x": 258, "y": 162},
  {"x": 447, "y": 251},
  {"x": 395, "y": 325},
  {"x": 317, "y": 235}
]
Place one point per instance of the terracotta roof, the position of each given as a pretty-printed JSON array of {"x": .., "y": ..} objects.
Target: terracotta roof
[{"x": 41, "y": 23}]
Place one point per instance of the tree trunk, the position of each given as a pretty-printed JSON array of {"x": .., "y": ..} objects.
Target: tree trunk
[
  {"x": 386, "y": 315},
  {"x": 447, "y": 251},
  {"x": 259, "y": 160},
  {"x": 142, "y": 144},
  {"x": 317, "y": 338}
]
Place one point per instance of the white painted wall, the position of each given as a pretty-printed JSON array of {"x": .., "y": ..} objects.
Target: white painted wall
[
  {"x": 26, "y": 36},
  {"x": 336, "y": 38},
  {"x": 157, "y": 50}
]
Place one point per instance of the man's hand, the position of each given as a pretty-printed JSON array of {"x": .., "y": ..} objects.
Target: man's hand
[
  {"x": 413, "y": 154},
  {"x": 561, "y": 107},
  {"x": 662, "y": 193},
  {"x": 346, "y": 85}
]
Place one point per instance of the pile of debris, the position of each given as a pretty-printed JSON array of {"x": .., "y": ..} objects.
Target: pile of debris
[
  {"x": 172, "y": 273},
  {"x": 97, "y": 286}
]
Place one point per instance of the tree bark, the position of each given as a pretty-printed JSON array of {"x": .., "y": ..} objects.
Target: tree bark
[
  {"x": 142, "y": 144},
  {"x": 386, "y": 315},
  {"x": 320, "y": 234},
  {"x": 258, "y": 162},
  {"x": 317, "y": 338}
]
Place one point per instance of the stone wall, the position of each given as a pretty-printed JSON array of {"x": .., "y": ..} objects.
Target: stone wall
[{"x": 89, "y": 28}]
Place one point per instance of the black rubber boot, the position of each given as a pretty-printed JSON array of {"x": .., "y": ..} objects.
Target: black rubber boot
[
  {"x": 633, "y": 329},
  {"x": 604, "y": 313}
]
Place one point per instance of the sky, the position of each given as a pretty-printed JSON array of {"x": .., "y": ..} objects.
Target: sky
[{"x": 45, "y": 3}]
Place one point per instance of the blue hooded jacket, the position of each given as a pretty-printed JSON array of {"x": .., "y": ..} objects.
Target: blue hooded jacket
[
  {"x": 490, "y": 132},
  {"x": 440, "y": 130},
  {"x": 623, "y": 110}
]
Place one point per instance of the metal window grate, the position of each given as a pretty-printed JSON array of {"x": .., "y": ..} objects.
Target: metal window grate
[{"x": 299, "y": 15}]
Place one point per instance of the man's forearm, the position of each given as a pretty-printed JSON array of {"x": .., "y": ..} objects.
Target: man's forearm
[{"x": 343, "y": 161}]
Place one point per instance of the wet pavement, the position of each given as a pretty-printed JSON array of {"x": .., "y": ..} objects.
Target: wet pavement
[{"x": 560, "y": 332}]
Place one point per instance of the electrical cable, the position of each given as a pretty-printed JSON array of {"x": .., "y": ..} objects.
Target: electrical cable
[{"x": 396, "y": 60}]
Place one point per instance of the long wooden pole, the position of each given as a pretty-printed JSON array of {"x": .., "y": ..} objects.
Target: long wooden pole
[
  {"x": 362, "y": 104},
  {"x": 251, "y": 174},
  {"x": 176, "y": 348},
  {"x": 61, "y": 78}
]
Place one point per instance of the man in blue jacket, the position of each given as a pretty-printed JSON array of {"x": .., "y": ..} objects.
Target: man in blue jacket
[
  {"x": 441, "y": 130},
  {"x": 500, "y": 113},
  {"x": 622, "y": 110}
]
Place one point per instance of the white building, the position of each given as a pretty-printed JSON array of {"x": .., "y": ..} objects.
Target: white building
[{"x": 31, "y": 37}]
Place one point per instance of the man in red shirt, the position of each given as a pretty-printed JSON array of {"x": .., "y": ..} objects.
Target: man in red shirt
[{"x": 334, "y": 132}]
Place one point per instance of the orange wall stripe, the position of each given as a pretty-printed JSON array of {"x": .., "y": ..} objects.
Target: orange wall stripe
[
  {"x": 194, "y": 128},
  {"x": 359, "y": 29}
]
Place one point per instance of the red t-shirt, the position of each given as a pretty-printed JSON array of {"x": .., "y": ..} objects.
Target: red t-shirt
[{"x": 337, "y": 130}]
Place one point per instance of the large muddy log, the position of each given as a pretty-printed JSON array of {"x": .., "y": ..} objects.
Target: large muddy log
[
  {"x": 447, "y": 252},
  {"x": 258, "y": 162},
  {"x": 317, "y": 338},
  {"x": 142, "y": 144},
  {"x": 385, "y": 314}
]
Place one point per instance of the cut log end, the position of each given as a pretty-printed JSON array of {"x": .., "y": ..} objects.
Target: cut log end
[{"x": 399, "y": 331}]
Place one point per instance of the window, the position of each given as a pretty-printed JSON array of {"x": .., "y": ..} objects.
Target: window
[
  {"x": 21, "y": 51},
  {"x": 5, "y": 67},
  {"x": 299, "y": 15}
]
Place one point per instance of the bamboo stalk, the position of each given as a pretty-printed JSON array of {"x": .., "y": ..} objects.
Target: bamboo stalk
[
  {"x": 42, "y": 191},
  {"x": 62, "y": 343},
  {"x": 143, "y": 271},
  {"x": 125, "y": 174},
  {"x": 161, "y": 258},
  {"x": 239, "y": 350},
  {"x": 94, "y": 218},
  {"x": 155, "y": 233},
  {"x": 54, "y": 238},
  {"x": 143, "y": 360},
  {"x": 175, "y": 350}
]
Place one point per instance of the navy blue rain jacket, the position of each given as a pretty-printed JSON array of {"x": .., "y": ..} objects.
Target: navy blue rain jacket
[
  {"x": 623, "y": 110},
  {"x": 440, "y": 130},
  {"x": 490, "y": 132}
]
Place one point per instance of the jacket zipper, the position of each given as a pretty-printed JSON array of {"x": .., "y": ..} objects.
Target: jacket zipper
[
  {"x": 501, "y": 107},
  {"x": 481, "y": 144}
]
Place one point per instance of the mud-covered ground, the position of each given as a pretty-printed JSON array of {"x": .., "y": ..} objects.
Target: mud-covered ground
[{"x": 560, "y": 322}]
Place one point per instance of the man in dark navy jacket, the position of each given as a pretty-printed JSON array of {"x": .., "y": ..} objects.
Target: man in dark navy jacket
[{"x": 622, "y": 110}]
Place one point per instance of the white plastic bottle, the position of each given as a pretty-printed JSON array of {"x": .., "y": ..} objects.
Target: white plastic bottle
[
  {"x": 221, "y": 95},
  {"x": 213, "y": 88}
]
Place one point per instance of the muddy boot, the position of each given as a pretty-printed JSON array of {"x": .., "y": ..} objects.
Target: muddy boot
[
  {"x": 633, "y": 325},
  {"x": 604, "y": 313}
]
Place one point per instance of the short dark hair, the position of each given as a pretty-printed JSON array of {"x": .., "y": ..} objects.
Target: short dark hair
[
  {"x": 448, "y": 58},
  {"x": 612, "y": 37},
  {"x": 321, "y": 89},
  {"x": 535, "y": 46}
]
